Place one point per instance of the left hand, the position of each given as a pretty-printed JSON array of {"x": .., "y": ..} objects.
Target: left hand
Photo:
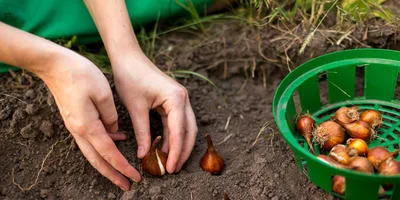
[{"x": 142, "y": 87}]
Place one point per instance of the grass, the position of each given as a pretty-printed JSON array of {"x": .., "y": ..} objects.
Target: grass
[{"x": 282, "y": 14}]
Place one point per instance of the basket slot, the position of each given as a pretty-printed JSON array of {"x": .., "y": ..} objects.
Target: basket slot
[
  {"x": 309, "y": 95},
  {"x": 356, "y": 189},
  {"x": 396, "y": 192},
  {"x": 341, "y": 83},
  {"x": 290, "y": 114},
  {"x": 320, "y": 175},
  {"x": 380, "y": 81}
]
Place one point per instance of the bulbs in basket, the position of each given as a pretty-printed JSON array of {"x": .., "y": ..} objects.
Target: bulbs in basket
[
  {"x": 372, "y": 117},
  {"x": 347, "y": 115},
  {"x": 328, "y": 134},
  {"x": 305, "y": 126},
  {"x": 357, "y": 146},
  {"x": 340, "y": 153},
  {"x": 377, "y": 155}
]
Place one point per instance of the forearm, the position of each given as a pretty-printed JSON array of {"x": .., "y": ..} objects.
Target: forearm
[
  {"x": 25, "y": 50},
  {"x": 114, "y": 25}
]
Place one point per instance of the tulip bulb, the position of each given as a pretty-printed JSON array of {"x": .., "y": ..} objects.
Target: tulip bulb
[
  {"x": 339, "y": 153},
  {"x": 360, "y": 129},
  {"x": 154, "y": 161},
  {"x": 328, "y": 134},
  {"x": 339, "y": 185},
  {"x": 377, "y": 155},
  {"x": 372, "y": 117},
  {"x": 357, "y": 146},
  {"x": 347, "y": 115},
  {"x": 305, "y": 125},
  {"x": 211, "y": 161}
]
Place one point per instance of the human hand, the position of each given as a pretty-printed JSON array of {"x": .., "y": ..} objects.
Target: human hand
[
  {"x": 142, "y": 87},
  {"x": 86, "y": 104}
]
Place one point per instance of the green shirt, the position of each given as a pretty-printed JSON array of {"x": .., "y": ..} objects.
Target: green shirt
[{"x": 55, "y": 19}]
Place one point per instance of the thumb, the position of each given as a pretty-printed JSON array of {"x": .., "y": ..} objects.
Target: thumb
[{"x": 141, "y": 126}]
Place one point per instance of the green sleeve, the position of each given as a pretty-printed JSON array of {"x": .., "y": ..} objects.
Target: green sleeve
[{"x": 54, "y": 19}]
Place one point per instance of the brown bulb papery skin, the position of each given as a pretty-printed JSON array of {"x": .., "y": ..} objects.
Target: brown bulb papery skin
[
  {"x": 361, "y": 164},
  {"x": 339, "y": 153},
  {"x": 153, "y": 159},
  {"x": 331, "y": 161},
  {"x": 328, "y": 134},
  {"x": 211, "y": 161},
  {"x": 359, "y": 129},
  {"x": 377, "y": 155},
  {"x": 357, "y": 146},
  {"x": 372, "y": 117},
  {"x": 347, "y": 114},
  {"x": 338, "y": 184},
  {"x": 389, "y": 167},
  {"x": 305, "y": 126}
]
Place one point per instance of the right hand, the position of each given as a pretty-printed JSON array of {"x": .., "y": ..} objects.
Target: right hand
[{"x": 86, "y": 104}]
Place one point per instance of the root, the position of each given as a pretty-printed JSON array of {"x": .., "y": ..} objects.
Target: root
[{"x": 23, "y": 189}]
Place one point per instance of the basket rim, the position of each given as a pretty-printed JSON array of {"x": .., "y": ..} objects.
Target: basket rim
[{"x": 314, "y": 64}]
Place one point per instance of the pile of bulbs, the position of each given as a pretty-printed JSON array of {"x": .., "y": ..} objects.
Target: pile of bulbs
[{"x": 355, "y": 155}]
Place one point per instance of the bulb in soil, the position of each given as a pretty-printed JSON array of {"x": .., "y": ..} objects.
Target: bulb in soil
[
  {"x": 328, "y": 134},
  {"x": 211, "y": 160},
  {"x": 305, "y": 126},
  {"x": 154, "y": 161},
  {"x": 347, "y": 114}
]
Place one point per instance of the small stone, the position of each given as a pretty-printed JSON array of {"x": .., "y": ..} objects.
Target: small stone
[
  {"x": 111, "y": 195},
  {"x": 5, "y": 113},
  {"x": 31, "y": 109},
  {"x": 3, "y": 191},
  {"x": 270, "y": 195},
  {"x": 46, "y": 128},
  {"x": 30, "y": 94},
  {"x": 28, "y": 132},
  {"x": 130, "y": 195},
  {"x": 275, "y": 198},
  {"x": 19, "y": 114},
  {"x": 44, "y": 193},
  {"x": 153, "y": 191},
  {"x": 93, "y": 182}
]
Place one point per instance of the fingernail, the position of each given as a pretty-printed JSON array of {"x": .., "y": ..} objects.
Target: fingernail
[
  {"x": 125, "y": 188},
  {"x": 134, "y": 180},
  {"x": 140, "y": 151}
]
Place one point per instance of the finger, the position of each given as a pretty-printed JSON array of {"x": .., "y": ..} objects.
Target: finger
[
  {"x": 165, "y": 145},
  {"x": 103, "y": 144},
  {"x": 117, "y": 136},
  {"x": 176, "y": 125},
  {"x": 190, "y": 137},
  {"x": 101, "y": 165},
  {"x": 141, "y": 126},
  {"x": 108, "y": 113}
]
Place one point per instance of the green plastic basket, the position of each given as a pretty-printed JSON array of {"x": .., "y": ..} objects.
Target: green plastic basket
[{"x": 381, "y": 70}]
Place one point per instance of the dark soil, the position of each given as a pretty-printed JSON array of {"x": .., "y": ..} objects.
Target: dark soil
[{"x": 246, "y": 63}]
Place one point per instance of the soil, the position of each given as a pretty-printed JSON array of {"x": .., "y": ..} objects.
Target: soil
[{"x": 246, "y": 63}]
